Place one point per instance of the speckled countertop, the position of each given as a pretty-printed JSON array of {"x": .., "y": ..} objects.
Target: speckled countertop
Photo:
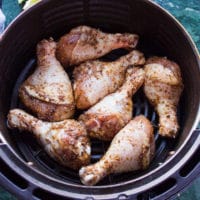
[{"x": 188, "y": 13}]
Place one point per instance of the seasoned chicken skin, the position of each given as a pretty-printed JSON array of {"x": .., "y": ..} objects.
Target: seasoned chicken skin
[
  {"x": 48, "y": 91},
  {"x": 84, "y": 43},
  {"x": 131, "y": 149},
  {"x": 93, "y": 80},
  {"x": 64, "y": 141},
  {"x": 163, "y": 87},
  {"x": 114, "y": 111}
]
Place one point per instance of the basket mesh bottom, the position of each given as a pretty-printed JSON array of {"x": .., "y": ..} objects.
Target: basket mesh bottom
[{"x": 33, "y": 153}]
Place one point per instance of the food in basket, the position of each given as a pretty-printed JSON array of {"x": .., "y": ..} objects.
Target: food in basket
[
  {"x": 48, "y": 91},
  {"x": 66, "y": 141},
  {"x": 114, "y": 111},
  {"x": 93, "y": 80},
  {"x": 130, "y": 150},
  {"x": 106, "y": 88},
  {"x": 163, "y": 86},
  {"x": 84, "y": 43}
]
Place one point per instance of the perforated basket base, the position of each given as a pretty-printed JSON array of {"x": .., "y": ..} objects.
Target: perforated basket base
[{"x": 34, "y": 153}]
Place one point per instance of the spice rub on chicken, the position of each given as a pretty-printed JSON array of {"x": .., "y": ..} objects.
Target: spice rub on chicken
[
  {"x": 84, "y": 43},
  {"x": 163, "y": 87}
]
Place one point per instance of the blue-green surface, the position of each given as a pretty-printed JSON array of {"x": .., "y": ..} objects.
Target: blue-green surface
[{"x": 188, "y": 13}]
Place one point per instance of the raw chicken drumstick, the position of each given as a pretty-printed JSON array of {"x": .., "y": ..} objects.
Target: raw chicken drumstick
[
  {"x": 85, "y": 43},
  {"x": 64, "y": 141},
  {"x": 131, "y": 149},
  {"x": 48, "y": 91},
  {"x": 114, "y": 111},
  {"x": 93, "y": 80},
  {"x": 163, "y": 87}
]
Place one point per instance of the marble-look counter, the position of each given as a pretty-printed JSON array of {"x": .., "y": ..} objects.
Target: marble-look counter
[{"x": 188, "y": 13}]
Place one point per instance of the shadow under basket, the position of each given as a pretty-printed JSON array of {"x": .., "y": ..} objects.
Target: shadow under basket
[{"x": 28, "y": 172}]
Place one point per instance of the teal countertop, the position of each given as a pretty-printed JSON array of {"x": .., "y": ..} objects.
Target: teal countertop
[{"x": 188, "y": 13}]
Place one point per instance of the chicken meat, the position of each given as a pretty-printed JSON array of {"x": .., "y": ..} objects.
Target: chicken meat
[
  {"x": 93, "y": 80},
  {"x": 163, "y": 87},
  {"x": 84, "y": 43},
  {"x": 48, "y": 91},
  {"x": 131, "y": 149},
  {"x": 114, "y": 111},
  {"x": 65, "y": 141}
]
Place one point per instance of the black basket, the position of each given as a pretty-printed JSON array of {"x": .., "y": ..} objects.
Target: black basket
[{"x": 28, "y": 172}]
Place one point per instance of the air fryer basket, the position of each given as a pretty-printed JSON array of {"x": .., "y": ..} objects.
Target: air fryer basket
[{"x": 27, "y": 171}]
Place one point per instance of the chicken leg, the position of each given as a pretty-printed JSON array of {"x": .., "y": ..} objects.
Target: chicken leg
[
  {"x": 93, "y": 80},
  {"x": 65, "y": 141},
  {"x": 131, "y": 149},
  {"x": 48, "y": 91},
  {"x": 163, "y": 87},
  {"x": 114, "y": 111},
  {"x": 85, "y": 43}
]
